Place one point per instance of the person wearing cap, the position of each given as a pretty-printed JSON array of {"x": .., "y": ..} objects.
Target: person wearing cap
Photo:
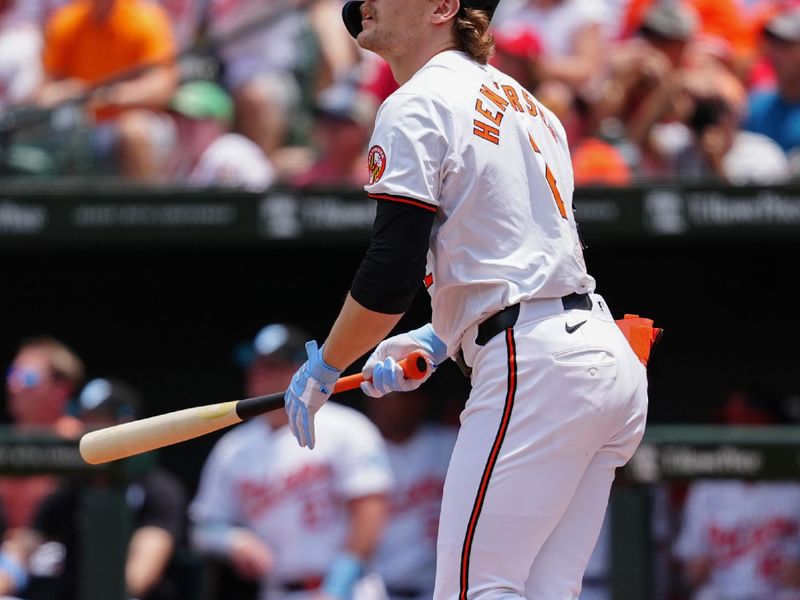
[
  {"x": 344, "y": 119},
  {"x": 719, "y": 18},
  {"x": 516, "y": 53},
  {"x": 40, "y": 382},
  {"x": 51, "y": 545},
  {"x": 571, "y": 34},
  {"x": 301, "y": 524},
  {"x": 210, "y": 153},
  {"x": 776, "y": 112},
  {"x": 473, "y": 185}
]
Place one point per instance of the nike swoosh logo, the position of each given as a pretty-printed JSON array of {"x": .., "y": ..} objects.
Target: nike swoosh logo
[{"x": 573, "y": 328}]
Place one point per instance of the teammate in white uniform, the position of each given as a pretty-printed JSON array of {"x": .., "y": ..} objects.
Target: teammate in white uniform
[
  {"x": 467, "y": 166},
  {"x": 301, "y": 522},
  {"x": 741, "y": 540},
  {"x": 419, "y": 453}
]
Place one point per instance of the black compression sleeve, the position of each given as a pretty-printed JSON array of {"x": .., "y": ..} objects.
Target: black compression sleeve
[{"x": 391, "y": 272}]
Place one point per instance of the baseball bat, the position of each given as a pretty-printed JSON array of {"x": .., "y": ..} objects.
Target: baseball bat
[{"x": 135, "y": 437}]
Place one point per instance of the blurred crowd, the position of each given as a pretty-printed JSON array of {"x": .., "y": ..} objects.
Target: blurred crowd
[{"x": 252, "y": 93}]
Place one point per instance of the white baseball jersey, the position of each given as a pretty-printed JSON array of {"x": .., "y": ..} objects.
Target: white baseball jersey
[
  {"x": 469, "y": 142},
  {"x": 406, "y": 558},
  {"x": 293, "y": 499},
  {"x": 748, "y": 530},
  {"x": 235, "y": 161}
]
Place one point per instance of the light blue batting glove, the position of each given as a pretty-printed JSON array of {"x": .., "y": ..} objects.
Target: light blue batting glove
[
  {"x": 383, "y": 375},
  {"x": 342, "y": 576},
  {"x": 311, "y": 387}
]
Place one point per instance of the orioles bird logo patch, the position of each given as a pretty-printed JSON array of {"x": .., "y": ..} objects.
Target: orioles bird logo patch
[{"x": 376, "y": 163}]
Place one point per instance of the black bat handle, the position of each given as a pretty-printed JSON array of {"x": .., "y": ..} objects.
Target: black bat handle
[{"x": 252, "y": 407}]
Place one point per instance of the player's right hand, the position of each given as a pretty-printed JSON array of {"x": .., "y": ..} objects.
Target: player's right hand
[
  {"x": 383, "y": 375},
  {"x": 310, "y": 388},
  {"x": 250, "y": 557}
]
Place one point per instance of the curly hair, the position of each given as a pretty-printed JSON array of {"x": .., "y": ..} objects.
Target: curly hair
[{"x": 472, "y": 33}]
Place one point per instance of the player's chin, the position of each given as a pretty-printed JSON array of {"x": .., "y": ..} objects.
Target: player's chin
[{"x": 367, "y": 39}]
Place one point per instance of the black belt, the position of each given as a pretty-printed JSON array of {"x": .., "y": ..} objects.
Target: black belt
[
  {"x": 403, "y": 592},
  {"x": 507, "y": 317},
  {"x": 301, "y": 585},
  {"x": 502, "y": 320}
]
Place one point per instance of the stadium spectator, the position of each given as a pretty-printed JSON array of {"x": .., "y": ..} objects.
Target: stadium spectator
[
  {"x": 516, "y": 53},
  {"x": 719, "y": 150},
  {"x": 741, "y": 540},
  {"x": 20, "y": 54},
  {"x": 337, "y": 55},
  {"x": 690, "y": 127},
  {"x": 344, "y": 120},
  {"x": 187, "y": 18},
  {"x": 89, "y": 41},
  {"x": 719, "y": 18},
  {"x": 209, "y": 153},
  {"x": 776, "y": 112},
  {"x": 299, "y": 523},
  {"x": 42, "y": 378},
  {"x": 376, "y": 78},
  {"x": 51, "y": 547},
  {"x": 39, "y": 385},
  {"x": 571, "y": 33},
  {"x": 688, "y": 123},
  {"x": 419, "y": 453},
  {"x": 265, "y": 47},
  {"x": 639, "y": 66}
]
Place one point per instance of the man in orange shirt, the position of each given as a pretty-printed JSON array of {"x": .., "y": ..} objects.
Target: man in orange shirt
[{"x": 89, "y": 41}]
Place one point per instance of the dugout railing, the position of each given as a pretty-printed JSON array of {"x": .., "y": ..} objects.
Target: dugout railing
[
  {"x": 105, "y": 518},
  {"x": 681, "y": 453},
  {"x": 667, "y": 454}
]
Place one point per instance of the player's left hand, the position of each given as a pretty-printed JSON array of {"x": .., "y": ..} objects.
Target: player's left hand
[
  {"x": 311, "y": 387},
  {"x": 382, "y": 373}
]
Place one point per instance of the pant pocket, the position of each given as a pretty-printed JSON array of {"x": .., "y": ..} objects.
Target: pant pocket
[{"x": 585, "y": 356}]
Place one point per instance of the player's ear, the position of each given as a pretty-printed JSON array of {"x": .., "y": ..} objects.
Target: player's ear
[{"x": 445, "y": 10}]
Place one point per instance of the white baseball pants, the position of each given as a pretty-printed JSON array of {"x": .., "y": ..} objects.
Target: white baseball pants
[{"x": 550, "y": 417}]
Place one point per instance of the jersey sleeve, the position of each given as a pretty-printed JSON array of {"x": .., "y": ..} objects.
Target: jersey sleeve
[
  {"x": 361, "y": 463},
  {"x": 410, "y": 145}
]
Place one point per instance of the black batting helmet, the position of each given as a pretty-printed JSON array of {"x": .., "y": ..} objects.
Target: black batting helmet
[
  {"x": 351, "y": 13},
  {"x": 277, "y": 341},
  {"x": 110, "y": 398}
]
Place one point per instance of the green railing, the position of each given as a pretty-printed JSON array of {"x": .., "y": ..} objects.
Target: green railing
[
  {"x": 685, "y": 452},
  {"x": 105, "y": 516}
]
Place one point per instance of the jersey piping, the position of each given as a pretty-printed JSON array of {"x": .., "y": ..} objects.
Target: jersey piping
[
  {"x": 490, "y": 462},
  {"x": 404, "y": 200}
]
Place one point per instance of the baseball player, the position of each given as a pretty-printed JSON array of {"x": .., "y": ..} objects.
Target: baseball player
[
  {"x": 301, "y": 523},
  {"x": 741, "y": 540},
  {"x": 468, "y": 168},
  {"x": 419, "y": 453}
]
